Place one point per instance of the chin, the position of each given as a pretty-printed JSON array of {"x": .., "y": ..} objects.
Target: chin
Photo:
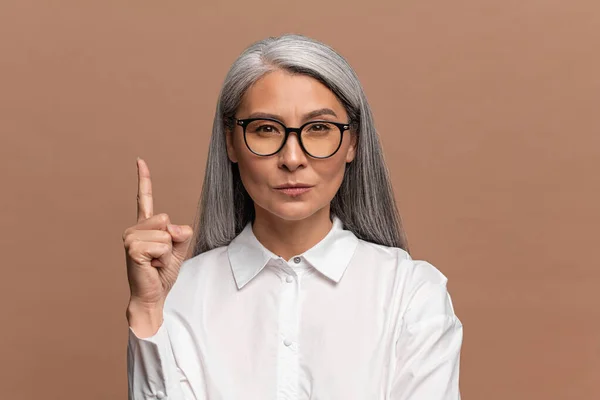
[{"x": 292, "y": 212}]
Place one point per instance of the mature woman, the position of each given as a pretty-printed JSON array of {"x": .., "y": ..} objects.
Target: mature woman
[{"x": 296, "y": 281}]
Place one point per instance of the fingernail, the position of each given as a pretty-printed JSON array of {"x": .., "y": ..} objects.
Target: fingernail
[{"x": 174, "y": 228}]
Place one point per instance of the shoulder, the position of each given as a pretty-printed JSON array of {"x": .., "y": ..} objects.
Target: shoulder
[
  {"x": 420, "y": 287},
  {"x": 204, "y": 263},
  {"x": 416, "y": 271},
  {"x": 199, "y": 270}
]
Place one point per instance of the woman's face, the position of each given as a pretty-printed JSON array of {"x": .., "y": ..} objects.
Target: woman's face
[{"x": 292, "y": 99}]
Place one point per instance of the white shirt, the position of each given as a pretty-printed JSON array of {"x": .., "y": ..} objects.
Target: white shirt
[{"x": 345, "y": 320}]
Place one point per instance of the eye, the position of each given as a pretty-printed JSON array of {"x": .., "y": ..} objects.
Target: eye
[
  {"x": 319, "y": 127},
  {"x": 265, "y": 128}
]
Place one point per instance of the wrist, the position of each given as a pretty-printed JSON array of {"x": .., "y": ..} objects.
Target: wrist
[{"x": 144, "y": 319}]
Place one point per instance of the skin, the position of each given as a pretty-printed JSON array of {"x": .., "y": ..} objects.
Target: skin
[
  {"x": 290, "y": 225},
  {"x": 154, "y": 252}
]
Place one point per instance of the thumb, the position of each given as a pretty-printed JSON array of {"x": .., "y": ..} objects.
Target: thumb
[{"x": 182, "y": 238}]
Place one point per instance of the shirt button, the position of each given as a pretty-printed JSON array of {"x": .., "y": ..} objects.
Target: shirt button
[
  {"x": 297, "y": 260},
  {"x": 287, "y": 342},
  {"x": 160, "y": 395},
  {"x": 289, "y": 279}
]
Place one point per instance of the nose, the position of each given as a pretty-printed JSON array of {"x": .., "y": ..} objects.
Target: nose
[{"x": 291, "y": 156}]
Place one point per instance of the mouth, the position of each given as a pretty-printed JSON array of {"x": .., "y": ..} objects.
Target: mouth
[{"x": 293, "y": 190}]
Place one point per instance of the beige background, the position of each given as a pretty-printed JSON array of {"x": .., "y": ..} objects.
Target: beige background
[{"x": 488, "y": 111}]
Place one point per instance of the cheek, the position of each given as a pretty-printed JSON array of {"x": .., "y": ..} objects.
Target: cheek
[
  {"x": 331, "y": 175},
  {"x": 249, "y": 166},
  {"x": 254, "y": 174}
]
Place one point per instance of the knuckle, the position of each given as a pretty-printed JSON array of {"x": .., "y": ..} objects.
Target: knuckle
[
  {"x": 144, "y": 193},
  {"x": 132, "y": 244},
  {"x": 165, "y": 236},
  {"x": 164, "y": 217},
  {"x": 138, "y": 258},
  {"x": 128, "y": 233}
]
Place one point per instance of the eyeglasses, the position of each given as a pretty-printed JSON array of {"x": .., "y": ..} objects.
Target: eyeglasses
[{"x": 318, "y": 139}]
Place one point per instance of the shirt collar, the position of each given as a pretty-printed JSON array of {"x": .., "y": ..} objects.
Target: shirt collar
[{"x": 330, "y": 256}]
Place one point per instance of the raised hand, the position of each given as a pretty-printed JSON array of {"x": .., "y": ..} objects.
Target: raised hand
[{"x": 155, "y": 250}]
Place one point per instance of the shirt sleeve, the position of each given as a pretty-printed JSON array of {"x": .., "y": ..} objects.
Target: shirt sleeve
[
  {"x": 429, "y": 344},
  {"x": 152, "y": 371}
]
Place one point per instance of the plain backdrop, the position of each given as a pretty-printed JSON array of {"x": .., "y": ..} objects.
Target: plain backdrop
[{"x": 489, "y": 115}]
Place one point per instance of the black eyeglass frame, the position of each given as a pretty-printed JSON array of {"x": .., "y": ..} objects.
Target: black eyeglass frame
[{"x": 342, "y": 127}]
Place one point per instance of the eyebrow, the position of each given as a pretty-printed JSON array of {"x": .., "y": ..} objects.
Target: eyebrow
[{"x": 307, "y": 116}]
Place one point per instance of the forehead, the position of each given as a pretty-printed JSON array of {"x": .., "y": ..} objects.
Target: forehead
[{"x": 289, "y": 95}]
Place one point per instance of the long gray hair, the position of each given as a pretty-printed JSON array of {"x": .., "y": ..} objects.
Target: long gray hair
[{"x": 365, "y": 200}]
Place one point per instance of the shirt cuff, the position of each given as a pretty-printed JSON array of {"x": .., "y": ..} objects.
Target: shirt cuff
[{"x": 151, "y": 368}]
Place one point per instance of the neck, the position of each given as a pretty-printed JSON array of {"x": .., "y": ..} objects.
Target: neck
[{"x": 289, "y": 238}]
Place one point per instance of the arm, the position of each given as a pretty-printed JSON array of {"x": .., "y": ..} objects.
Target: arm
[
  {"x": 154, "y": 251},
  {"x": 428, "y": 347}
]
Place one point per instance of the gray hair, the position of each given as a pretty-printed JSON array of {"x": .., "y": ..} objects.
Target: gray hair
[{"x": 365, "y": 200}]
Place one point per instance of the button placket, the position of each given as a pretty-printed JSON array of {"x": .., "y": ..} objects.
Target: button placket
[{"x": 288, "y": 363}]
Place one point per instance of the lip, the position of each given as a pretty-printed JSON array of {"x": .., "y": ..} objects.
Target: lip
[
  {"x": 293, "y": 185},
  {"x": 293, "y": 189}
]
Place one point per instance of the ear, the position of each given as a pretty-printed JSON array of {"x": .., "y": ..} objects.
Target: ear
[
  {"x": 352, "y": 148},
  {"x": 230, "y": 147}
]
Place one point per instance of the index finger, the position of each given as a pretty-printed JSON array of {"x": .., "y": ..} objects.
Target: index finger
[{"x": 144, "y": 196}]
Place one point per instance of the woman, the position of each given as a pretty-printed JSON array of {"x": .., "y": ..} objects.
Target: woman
[{"x": 296, "y": 281}]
